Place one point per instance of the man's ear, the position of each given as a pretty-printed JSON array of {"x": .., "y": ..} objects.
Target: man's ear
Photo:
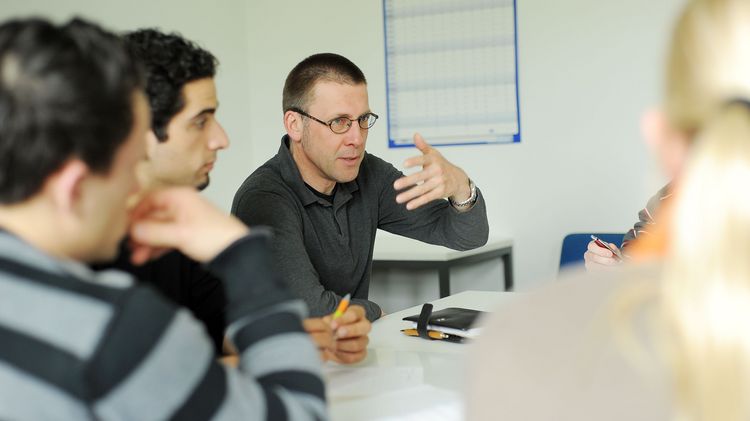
[
  {"x": 151, "y": 143},
  {"x": 294, "y": 125},
  {"x": 66, "y": 185}
]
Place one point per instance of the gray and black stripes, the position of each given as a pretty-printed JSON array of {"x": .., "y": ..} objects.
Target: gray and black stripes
[{"x": 110, "y": 351}]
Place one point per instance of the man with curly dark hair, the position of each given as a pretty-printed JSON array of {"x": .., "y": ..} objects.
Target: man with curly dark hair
[
  {"x": 181, "y": 149},
  {"x": 185, "y": 135}
]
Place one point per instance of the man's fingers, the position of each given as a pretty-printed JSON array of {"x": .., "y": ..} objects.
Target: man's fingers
[
  {"x": 599, "y": 251},
  {"x": 417, "y": 161},
  {"x": 320, "y": 332},
  {"x": 352, "y": 323},
  {"x": 434, "y": 194},
  {"x": 594, "y": 264},
  {"x": 352, "y": 314},
  {"x": 353, "y": 330},
  {"x": 421, "y": 144},
  {"x": 315, "y": 324},
  {"x": 155, "y": 234},
  {"x": 419, "y": 190},
  {"x": 140, "y": 254},
  {"x": 151, "y": 221},
  {"x": 598, "y": 259},
  {"x": 323, "y": 339},
  {"x": 358, "y": 344},
  {"x": 143, "y": 250},
  {"x": 412, "y": 180}
]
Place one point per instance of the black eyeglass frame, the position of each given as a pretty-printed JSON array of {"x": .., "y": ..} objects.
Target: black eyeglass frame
[{"x": 363, "y": 119}]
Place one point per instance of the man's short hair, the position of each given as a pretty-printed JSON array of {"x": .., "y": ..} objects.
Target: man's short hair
[
  {"x": 65, "y": 91},
  {"x": 298, "y": 88},
  {"x": 170, "y": 61}
]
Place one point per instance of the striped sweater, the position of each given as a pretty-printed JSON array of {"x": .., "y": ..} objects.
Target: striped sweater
[{"x": 77, "y": 344}]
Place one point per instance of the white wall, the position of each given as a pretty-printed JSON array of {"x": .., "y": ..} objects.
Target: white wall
[{"x": 588, "y": 68}]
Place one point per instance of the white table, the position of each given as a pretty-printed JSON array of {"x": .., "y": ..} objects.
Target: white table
[
  {"x": 396, "y": 252},
  {"x": 406, "y": 377}
]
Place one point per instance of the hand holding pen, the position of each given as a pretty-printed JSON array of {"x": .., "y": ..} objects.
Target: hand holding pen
[
  {"x": 600, "y": 254},
  {"x": 350, "y": 327},
  {"x": 611, "y": 247}
]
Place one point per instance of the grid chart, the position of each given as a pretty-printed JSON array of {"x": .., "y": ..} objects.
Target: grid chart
[{"x": 451, "y": 71}]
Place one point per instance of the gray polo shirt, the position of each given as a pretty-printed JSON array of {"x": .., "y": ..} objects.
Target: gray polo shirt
[{"x": 324, "y": 250}]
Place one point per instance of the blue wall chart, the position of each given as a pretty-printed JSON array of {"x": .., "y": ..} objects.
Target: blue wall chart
[{"x": 451, "y": 71}]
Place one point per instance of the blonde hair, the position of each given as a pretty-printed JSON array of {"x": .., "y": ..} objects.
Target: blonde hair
[
  {"x": 703, "y": 310},
  {"x": 705, "y": 293},
  {"x": 708, "y": 61}
]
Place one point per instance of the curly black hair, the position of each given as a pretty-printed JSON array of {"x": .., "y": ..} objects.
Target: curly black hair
[
  {"x": 170, "y": 61},
  {"x": 65, "y": 91}
]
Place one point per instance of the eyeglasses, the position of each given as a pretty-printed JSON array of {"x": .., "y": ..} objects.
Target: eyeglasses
[{"x": 341, "y": 125}]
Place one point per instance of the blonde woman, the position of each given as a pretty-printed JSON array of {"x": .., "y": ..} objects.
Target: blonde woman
[{"x": 669, "y": 337}]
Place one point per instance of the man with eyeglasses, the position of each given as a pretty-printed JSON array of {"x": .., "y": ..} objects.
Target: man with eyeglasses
[{"x": 325, "y": 197}]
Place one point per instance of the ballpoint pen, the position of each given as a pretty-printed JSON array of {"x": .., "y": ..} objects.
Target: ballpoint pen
[{"x": 617, "y": 254}]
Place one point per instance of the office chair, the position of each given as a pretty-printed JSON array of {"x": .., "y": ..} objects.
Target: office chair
[{"x": 574, "y": 245}]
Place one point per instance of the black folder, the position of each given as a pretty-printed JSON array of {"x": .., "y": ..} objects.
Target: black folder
[{"x": 452, "y": 317}]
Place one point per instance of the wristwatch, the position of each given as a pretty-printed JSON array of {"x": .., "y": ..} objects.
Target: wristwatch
[{"x": 468, "y": 203}]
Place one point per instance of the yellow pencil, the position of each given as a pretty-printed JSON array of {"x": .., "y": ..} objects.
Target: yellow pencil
[
  {"x": 434, "y": 334},
  {"x": 342, "y": 306}
]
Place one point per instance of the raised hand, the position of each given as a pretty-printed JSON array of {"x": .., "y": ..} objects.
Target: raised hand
[{"x": 438, "y": 178}]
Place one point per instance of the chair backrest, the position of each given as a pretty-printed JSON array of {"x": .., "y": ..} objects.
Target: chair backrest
[{"x": 574, "y": 245}]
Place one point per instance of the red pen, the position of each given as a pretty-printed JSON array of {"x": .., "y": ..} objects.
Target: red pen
[{"x": 602, "y": 244}]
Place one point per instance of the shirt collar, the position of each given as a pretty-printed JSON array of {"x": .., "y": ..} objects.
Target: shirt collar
[{"x": 292, "y": 178}]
